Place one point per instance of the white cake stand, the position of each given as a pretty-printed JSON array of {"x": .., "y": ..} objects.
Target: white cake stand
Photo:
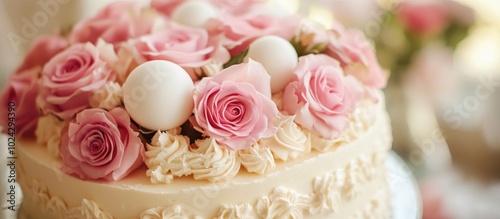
[{"x": 406, "y": 200}]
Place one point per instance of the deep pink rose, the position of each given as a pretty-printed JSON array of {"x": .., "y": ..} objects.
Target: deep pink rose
[
  {"x": 320, "y": 96},
  {"x": 235, "y": 107},
  {"x": 101, "y": 145},
  {"x": 424, "y": 18},
  {"x": 357, "y": 57},
  {"x": 116, "y": 23},
  {"x": 42, "y": 50},
  {"x": 240, "y": 31},
  {"x": 69, "y": 79},
  {"x": 21, "y": 91},
  {"x": 186, "y": 46}
]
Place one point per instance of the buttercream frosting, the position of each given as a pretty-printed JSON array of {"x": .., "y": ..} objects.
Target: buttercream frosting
[
  {"x": 108, "y": 97},
  {"x": 166, "y": 156},
  {"x": 257, "y": 159},
  {"x": 48, "y": 132},
  {"x": 289, "y": 142},
  {"x": 282, "y": 203},
  {"x": 235, "y": 211},
  {"x": 172, "y": 212},
  {"x": 213, "y": 162}
]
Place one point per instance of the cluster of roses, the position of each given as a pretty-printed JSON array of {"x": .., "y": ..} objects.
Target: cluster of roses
[{"x": 61, "y": 75}]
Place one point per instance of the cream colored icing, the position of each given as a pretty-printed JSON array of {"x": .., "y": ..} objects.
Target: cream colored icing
[
  {"x": 213, "y": 162},
  {"x": 257, "y": 159},
  {"x": 376, "y": 207},
  {"x": 357, "y": 164},
  {"x": 235, "y": 211},
  {"x": 48, "y": 132},
  {"x": 166, "y": 156},
  {"x": 278, "y": 100},
  {"x": 208, "y": 70},
  {"x": 108, "y": 97},
  {"x": 170, "y": 155},
  {"x": 173, "y": 212},
  {"x": 282, "y": 203},
  {"x": 326, "y": 197},
  {"x": 289, "y": 142},
  {"x": 56, "y": 206}
]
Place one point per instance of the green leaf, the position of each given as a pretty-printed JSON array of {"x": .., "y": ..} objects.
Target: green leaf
[{"x": 237, "y": 59}]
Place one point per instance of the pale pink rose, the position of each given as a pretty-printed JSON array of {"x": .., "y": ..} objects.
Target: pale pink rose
[
  {"x": 357, "y": 57},
  {"x": 237, "y": 6},
  {"x": 312, "y": 36},
  {"x": 240, "y": 31},
  {"x": 424, "y": 18},
  {"x": 42, "y": 50},
  {"x": 69, "y": 79},
  {"x": 166, "y": 7},
  {"x": 320, "y": 95},
  {"x": 188, "y": 47},
  {"x": 234, "y": 107},
  {"x": 22, "y": 90},
  {"x": 116, "y": 23},
  {"x": 101, "y": 145}
]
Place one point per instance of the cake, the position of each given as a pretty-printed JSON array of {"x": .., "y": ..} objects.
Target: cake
[{"x": 146, "y": 111}]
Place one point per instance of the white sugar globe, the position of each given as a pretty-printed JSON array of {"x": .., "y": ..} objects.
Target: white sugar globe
[
  {"x": 278, "y": 57},
  {"x": 158, "y": 95},
  {"x": 194, "y": 13}
]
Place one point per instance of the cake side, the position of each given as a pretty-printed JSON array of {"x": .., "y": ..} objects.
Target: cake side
[{"x": 334, "y": 184}]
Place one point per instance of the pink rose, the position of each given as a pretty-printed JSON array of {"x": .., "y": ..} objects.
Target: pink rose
[
  {"x": 320, "y": 96},
  {"x": 166, "y": 7},
  {"x": 22, "y": 90},
  {"x": 312, "y": 38},
  {"x": 235, "y": 107},
  {"x": 186, "y": 46},
  {"x": 240, "y": 31},
  {"x": 42, "y": 50},
  {"x": 237, "y": 6},
  {"x": 69, "y": 79},
  {"x": 101, "y": 145},
  {"x": 357, "y": 57},
  {"x": 116, "y": 23},
  {"x": 425, "y": 19}
]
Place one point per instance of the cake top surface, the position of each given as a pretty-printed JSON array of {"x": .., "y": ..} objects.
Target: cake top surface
[{"x": 151, "y": 85}]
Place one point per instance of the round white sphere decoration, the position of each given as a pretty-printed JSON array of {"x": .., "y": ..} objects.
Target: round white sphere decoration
[
  {"x": 278, "y": 57},
  {"x": 194, "y": 13},
  {"x": 158, "y": 95}
]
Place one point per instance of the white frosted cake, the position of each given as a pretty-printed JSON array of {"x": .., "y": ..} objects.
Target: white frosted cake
[{"x": 148, "y": 111}]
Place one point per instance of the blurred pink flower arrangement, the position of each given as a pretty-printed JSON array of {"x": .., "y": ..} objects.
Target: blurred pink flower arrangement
[{"x": 412, "y": 26}]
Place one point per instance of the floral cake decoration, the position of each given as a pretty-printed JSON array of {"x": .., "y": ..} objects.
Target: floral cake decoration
[{"x": 204, "y": 95}]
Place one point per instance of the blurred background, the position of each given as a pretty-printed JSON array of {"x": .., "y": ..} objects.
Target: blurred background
[{"x": 443, "y": 95}]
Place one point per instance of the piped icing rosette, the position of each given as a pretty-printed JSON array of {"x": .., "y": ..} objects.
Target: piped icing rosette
[
  {"x": 289, "y": 142},
  {"x": 235, "y": 87},
  {"x": 213, "y": 162},
  {"x": 257, "y": 159},
  {"x": 166, "y": 156}
]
